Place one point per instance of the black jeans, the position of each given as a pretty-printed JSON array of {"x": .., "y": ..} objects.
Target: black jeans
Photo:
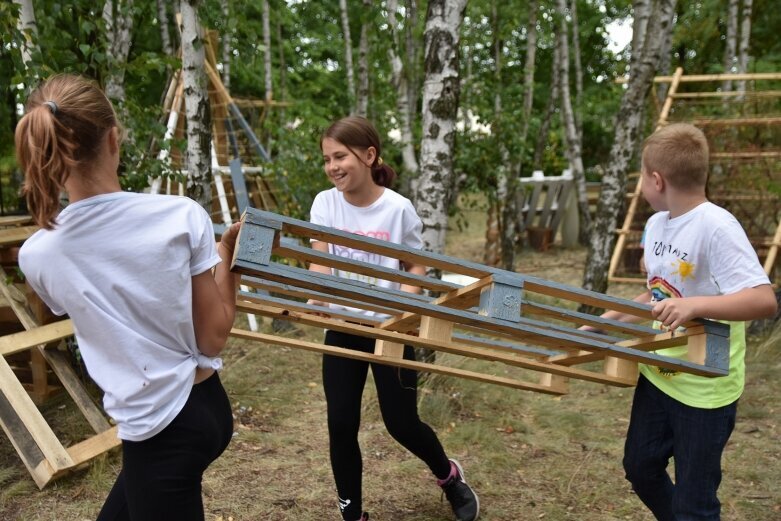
[
  {"x": 397, "y": 391},
  {"x": 662, "y": 427},
  {"x": 161, "y": 477}
]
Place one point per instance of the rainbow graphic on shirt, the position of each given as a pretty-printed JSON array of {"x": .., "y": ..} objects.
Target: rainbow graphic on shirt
[{"x": 661, "y": 289}]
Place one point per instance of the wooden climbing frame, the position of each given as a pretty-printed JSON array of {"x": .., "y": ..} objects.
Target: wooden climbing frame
[
  {"x": 503, "y": 317},
  {"x": 744, "y": 133}
]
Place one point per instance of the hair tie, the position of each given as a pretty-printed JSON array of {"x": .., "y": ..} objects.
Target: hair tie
[
  {"x": 52, "y": 106},
  {"x": 379, "y": 161}
]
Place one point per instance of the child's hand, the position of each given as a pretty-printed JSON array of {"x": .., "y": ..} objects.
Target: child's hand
[
  {"x": 314, "y": 302},
  {"x": 673, "y": 312},
  {"x": 229, "y": 236}
]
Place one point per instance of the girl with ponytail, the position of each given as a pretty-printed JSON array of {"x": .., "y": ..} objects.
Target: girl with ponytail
[
  {"x": 150, "y": 294},
  {"x": 362, "y": 202}
]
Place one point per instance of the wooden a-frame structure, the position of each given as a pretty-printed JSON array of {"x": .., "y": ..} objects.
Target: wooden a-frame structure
[
  {"x": 490, "y": 320},
  {"x": 744, "y": 133}
]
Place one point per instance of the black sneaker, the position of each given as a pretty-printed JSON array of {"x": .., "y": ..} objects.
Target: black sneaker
[{"x": 465, "y": 503}]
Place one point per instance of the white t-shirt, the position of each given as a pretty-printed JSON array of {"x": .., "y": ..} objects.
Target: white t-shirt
[
  {"x": 390, "y": 218},
  {"x": 121, "y": 265},
  {"x": 704, "y": 252}
]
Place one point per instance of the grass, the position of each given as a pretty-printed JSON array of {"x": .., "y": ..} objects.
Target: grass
[{"x": 529, "y": 456}]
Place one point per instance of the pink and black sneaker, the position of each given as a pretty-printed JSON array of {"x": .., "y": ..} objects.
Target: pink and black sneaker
[{"x": 465, "y": 503}]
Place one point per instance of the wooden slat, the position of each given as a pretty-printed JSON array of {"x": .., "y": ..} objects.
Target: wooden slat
[
  {"x": 16, "y": 235},
  {"x": 32, "y": 420},
  {"x": 17, "y": 342},
  {"x": 397, "y": 362}
]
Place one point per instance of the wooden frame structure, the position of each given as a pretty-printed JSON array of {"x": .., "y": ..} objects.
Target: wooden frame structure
[
  {"x": 488, "y": 320},
  {"x": 766, "y": 245}
]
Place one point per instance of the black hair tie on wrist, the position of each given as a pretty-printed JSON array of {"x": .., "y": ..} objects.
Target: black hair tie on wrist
[{"x": 52, "y": 106}]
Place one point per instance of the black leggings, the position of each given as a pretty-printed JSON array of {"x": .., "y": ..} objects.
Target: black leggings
[
  {"x": 343, "y": 381},
  {"x": 161, "y": 477}
]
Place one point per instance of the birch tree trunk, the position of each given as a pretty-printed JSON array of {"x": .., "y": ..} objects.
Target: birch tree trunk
[
  {"x": 162, "y": 21},
  {"x": 118, "y": 16},
  {"x": 282, "y": 70},
  {"x": 504, "y": 174},
  {"x": 542, "y": 136},
  {"x": 267, "y": 71},
  {"x": 573, "y": 9},
  {"x": 226, "y": 46},
  {"x": 570, "y": 128},
  {"x": 528, "y": 77},
  {"x": 196, "y": 101},
  {"x": 413, "y": 79},
  {"x": 435, "y": 187},
  {"x": 29, "y": 27},
  {"x": 731, "y": 43},
  {"x": 362, "y": 102},
  {"x": 665, "y": 58},
  {"x": 745, "y": 39},
  {"x": 399, "y": 77},
  {"x": 627, "y": 134},
  {"x": 641, "y": 10},
  {"x": 348, "y": 51}
]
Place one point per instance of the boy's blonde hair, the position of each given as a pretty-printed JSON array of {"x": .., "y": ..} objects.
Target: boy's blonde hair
[{"x": 679, "y": 153}]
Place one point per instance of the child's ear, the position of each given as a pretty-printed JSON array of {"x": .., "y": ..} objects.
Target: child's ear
[
  {"x": 658, "y": 181},
  {"x": 371, "y": 155},
  {"x": 113, "y": 140}
]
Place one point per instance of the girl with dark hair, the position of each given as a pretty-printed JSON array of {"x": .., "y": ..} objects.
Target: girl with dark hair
[
  {"x": 362, "y": 202},
  {"x": 150, "y": 294}
]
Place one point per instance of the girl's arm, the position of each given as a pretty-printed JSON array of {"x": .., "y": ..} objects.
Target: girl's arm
[
  {"x": 414, "y": 269},
  {"x": 214, "y": 298},
  {"x": 323, "y": 247}
]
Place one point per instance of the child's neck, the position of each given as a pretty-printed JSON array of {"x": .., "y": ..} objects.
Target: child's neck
[
  {"x": 683, "y": 202},
  {"x": 364, "y": 197}
]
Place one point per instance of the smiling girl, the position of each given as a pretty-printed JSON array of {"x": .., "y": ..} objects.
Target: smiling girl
[{"x": 362, "y": 202}]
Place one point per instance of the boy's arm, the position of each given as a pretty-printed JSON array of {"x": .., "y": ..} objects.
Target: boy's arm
[
  {"x": 746, "y": 304},
  {"x": 642, "y": 298}
]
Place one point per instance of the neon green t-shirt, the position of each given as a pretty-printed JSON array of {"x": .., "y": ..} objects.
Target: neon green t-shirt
[{"x": 702, "y": 391}]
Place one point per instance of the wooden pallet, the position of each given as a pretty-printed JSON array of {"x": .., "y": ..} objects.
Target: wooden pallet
[{"x": 503, "y": 317}]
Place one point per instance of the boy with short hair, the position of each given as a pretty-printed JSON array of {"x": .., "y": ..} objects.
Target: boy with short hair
[{"x": 700, "y": 264}]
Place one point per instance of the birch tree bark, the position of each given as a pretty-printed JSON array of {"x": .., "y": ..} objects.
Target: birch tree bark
[
  {"x": 118, "y": 16},
  {"x": 573, "y": 9},
  {"x": 745, "y": 39},
  {"x": 435, "y": 187},
  {"x": 542, "y": 136},
  {"x": 362, "y": 102},
  {"x": 226, "y": 46},
  {"x": 399, "y": 77},
  {"x": 29, "y": 27},
  {"x": 665, "y": 58},
  {"x": 267, "y": 70},
  {"x": 731, "y": 43},
  {"x": 413, "y": 58},
  {"x": 348, "y": 52},
  {"x": 570, "y": 128},
  {"x": 162, "y": 21},
  {"x": 504, "y": 175},
  {"x": 627, "y": 134},
  {"x": 196, "y": 101}
]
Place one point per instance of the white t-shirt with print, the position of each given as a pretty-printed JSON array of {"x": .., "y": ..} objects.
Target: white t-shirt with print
[
  {"x": 390, "y": 218},
  {"x": 121, "y": 265},
  {"x": 704, "y": 252}
]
